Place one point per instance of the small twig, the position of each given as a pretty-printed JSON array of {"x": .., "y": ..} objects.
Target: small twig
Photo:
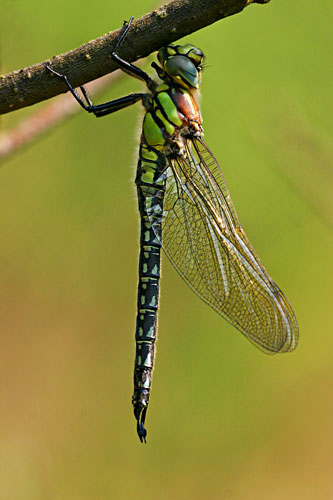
[
  {"x": 45, "y": 119},
  {"x": 92, "y": 60}
]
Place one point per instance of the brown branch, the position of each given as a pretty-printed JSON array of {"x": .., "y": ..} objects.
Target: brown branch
[{"x": 92, "y": 60}]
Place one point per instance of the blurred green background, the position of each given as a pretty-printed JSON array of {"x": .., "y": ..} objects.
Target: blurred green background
[{"x": 225, "y": 421}]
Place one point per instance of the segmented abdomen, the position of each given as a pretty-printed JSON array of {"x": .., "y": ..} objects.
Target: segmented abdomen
[{"x": 170, "y": 111}]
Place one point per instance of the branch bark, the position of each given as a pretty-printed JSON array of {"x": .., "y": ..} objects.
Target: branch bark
[{"x": 92, "y": 60}]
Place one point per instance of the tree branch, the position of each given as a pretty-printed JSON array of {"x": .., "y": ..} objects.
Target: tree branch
[{"x": 92, "y": 60}]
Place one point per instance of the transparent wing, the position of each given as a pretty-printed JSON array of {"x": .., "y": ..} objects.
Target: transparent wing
[{"x": 204, "y": 240}]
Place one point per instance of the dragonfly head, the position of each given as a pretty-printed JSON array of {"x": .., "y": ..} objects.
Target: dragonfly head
[{"x": 182, "y": 63}]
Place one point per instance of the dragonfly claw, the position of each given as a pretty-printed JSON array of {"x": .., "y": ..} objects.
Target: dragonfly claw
[{"x": 54, "y": 72}]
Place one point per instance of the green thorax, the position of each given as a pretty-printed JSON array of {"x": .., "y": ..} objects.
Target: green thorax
[{"x": 173, "y": 106}]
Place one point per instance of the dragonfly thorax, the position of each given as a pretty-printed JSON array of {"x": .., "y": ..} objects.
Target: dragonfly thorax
[
  {"x": 172, "y": 110},
  {"x": 173, "y": 115}
]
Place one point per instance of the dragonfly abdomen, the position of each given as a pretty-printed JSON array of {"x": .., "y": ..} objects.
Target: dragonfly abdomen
[
  {"x": 146, "y": 322},
  {"x": 150, "y": 182}
]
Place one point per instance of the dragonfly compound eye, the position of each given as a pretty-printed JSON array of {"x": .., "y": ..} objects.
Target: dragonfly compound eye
[
  {"x": 182, "y": 70},
  {"x": 196, "y": 55}
]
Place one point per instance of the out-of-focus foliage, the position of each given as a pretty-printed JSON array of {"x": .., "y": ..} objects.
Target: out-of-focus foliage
[{"x": 225, "y": 421}]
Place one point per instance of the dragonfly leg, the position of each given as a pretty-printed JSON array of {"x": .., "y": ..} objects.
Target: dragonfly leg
[
  {"x": 99, "y": 109},
  {"x": 129, "y": 68},
  {"x": 115, "y": 105},
  {"x": 71, "y": 89}
]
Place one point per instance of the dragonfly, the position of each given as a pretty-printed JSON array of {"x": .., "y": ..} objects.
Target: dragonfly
[{"x": 186, "y": 209}]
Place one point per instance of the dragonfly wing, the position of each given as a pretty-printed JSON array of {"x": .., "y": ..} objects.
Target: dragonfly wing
[{"x": 205, "y": 242}]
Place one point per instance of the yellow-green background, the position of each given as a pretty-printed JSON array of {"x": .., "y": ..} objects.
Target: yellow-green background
[{"x": 225, "y": 421}]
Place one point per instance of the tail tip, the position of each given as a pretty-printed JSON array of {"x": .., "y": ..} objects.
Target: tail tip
[{"x": 142, "y": 432}]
